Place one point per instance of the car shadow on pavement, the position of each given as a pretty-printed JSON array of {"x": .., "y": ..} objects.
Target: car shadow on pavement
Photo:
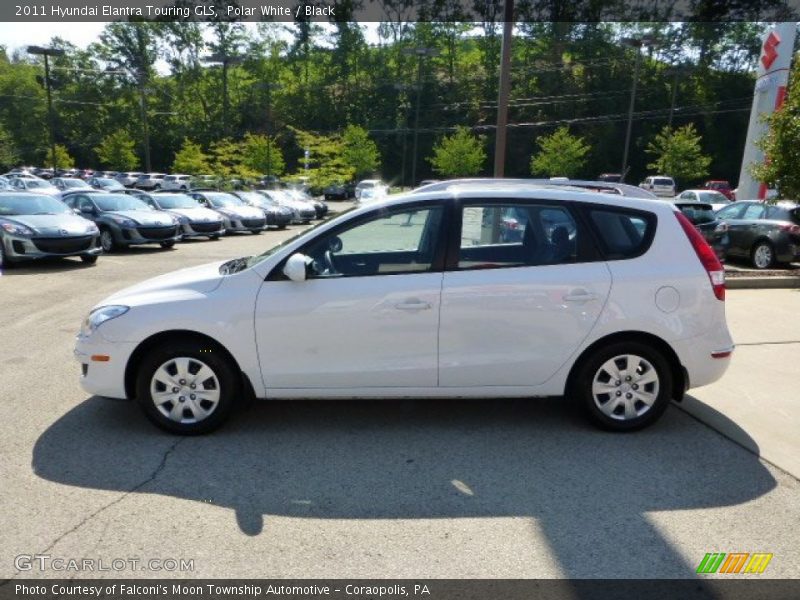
[{"x": 588, "y": 490}]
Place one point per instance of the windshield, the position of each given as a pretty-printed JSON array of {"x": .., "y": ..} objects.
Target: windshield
[
  {"x": 715, "y": 197},
  {"x": 74, "y": 183},
  {"x": 176, "y": 201},
  {"x": 698, "y": 213},
  {"x": 109, "y": 182},
  {"x": 254, "y": 260},
  {"x": 253, "y": 197},
  {"x": 35, "y": 183},
  {"x": 118, "y": 202},
  {"x": 220, "y": 200},
  {"x": 26, "y": 205}
]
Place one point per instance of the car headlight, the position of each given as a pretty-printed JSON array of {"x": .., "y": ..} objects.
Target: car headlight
[
  {"x": 91, "y": 228},
  {"x": 100, "y": 315},
  {"x": 123, "y": 221},
  {"x": 18, "y": 229}
]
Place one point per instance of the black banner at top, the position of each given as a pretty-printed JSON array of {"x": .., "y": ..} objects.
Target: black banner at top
[{"x": 398, "y": 10}]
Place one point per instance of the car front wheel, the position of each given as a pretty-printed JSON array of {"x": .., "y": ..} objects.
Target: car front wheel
[
  {"x": 624, "y": 386},
  {"x": 89, "y": 259},
  {"x": 186, "y": 388},
  {"x": 167, "y": 245},
  {"x": 762, "y": 255},
  {"x": 107, "y": 241}
]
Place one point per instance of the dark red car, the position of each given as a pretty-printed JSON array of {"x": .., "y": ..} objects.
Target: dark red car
[{"x": 721, "y": 186}]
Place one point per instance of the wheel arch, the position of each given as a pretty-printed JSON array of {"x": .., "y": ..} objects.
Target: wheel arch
[
  {"x": 161, "y": 337},
  {"x": 679, "y": 373}
]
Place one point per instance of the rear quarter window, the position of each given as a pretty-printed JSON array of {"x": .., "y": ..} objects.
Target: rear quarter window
[{"x": 622, "y": 233}]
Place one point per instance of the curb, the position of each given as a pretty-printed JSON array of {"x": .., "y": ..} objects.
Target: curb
[{"x": 761, "y": 283}]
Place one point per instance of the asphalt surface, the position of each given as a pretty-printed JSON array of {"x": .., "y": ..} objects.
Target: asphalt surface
[{"x": 489, "y": 488}]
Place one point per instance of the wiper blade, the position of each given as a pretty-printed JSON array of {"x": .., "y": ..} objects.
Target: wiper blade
[{"x": 234, "y": 266}]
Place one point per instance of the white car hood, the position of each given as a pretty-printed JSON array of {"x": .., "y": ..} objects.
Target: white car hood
[{"x": 200, "y": 280}]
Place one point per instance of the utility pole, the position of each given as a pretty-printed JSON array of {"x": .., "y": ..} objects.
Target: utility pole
[
  {"x": 637, "y": 44},
  {"x": 47, "y": 52},
  {"x": 145, "y": 125},
  {"x": 402, "y": 88},
  {"x": 676, "y": 73},
  {"x": 420, "y": 53},
  {"x": 505, "y": 87},
  {"x": 225, "y": 60},
  {"x": 269, "y": 87}
]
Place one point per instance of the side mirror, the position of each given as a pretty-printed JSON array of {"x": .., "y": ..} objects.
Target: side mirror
[
  {"x": 295, "y": 267},
  {"x": 76, "y": 211},
  {"x": 87, "y": 210}
]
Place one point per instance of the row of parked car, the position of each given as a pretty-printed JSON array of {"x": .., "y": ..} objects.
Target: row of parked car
[{"x": 88, "y": 222}]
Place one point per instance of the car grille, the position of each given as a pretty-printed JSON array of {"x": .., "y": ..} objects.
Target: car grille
[
  {"x": 63, "y": 245},
  {"x": 253, "y": 222},
  {"x": 206, "y": 227},
  {"x": 157, "y": 233}
]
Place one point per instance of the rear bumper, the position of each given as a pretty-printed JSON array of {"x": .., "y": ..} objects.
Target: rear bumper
[{"x": 704, "y": 358}]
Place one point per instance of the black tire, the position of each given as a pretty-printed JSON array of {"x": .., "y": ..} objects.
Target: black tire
[
  {"x": 167, "y": 245},
  {"x": 214, "y": 238},
  {"x": 590, "y": 368},
  {"x": 256, "y": 231},
  {"x": 89, "y": 259},
  {"x": 208, "y": 355},
  {"x": 107, "y": 240},
  {"x": 761, "y": 251},
  {"x": 281, "y": 226}
]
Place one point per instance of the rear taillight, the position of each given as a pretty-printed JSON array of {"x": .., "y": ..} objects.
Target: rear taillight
[
  {"x": 790, "y": 228},
  {"x": 709, "y": 260}
]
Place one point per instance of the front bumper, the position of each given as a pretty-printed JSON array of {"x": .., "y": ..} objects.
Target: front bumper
[
  {"x": 22, "y": 248},
  {"x": 99, "y": 376},
  {"x": 137, "y": 236},
  {"x": 194, "y": 229},
  {"x": 241, "y": 225}
]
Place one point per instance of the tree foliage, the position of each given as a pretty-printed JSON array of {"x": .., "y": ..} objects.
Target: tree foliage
[
  {"x": 8, "y": 153},
  {"x": 117, "y": 151},
  {"x": 326, "y": 164},
  {"x": 560, "y": 154},
  {"x": 63, "y": 158},
  {"x": 191, "y": 159},
  {"x": 781, "y": 145},
  {"x": 678, "y": 154},
  {"x": 359, "y": 152},
  {"x": 459, "y": 155},
  {"x": 262, "y": 156}
]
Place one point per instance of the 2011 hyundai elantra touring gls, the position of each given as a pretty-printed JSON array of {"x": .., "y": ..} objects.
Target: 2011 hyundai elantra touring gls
[{"x": 616, "y": 302}]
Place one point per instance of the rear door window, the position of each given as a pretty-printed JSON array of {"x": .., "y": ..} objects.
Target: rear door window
[
  {"x": 622, "y": 233},
  {"x": 733, "y": 211},
  {"x": 754, "y": 211}
]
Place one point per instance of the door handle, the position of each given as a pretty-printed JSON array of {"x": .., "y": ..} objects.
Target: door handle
[
  {"x": 581, "y": 296},
  {"x": 413, "y": 304}
]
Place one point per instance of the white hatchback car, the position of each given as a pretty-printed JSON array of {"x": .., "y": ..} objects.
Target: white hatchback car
[
  {"x": 615, "y": 302},
  {"x": 660, "y": 185}
]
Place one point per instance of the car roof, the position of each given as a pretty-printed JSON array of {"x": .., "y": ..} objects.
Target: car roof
[{"x": 622, "y": 189}]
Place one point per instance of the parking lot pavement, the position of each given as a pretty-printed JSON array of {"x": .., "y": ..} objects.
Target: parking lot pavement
[
  {"x": 759, "y": 394},
  {"x": 489, "y": 488}
]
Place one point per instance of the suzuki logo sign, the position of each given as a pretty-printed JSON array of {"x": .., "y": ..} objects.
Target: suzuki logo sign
[{"x": 770, "y": 50}]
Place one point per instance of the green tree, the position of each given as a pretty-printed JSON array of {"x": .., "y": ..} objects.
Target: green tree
[
  {"x": 677, "y": 153},
  {"x": 8, "y": 153},
  {"x": 191, "y": 159},
  {"x": 560, "y": 154},
  {"x": 359, "y": 151},
  {"x": 326, "y": 163},
  {"x": 458, "y": 155},
  {"x": 781, "y": 145},
  {"x": 116, "y": 151},
  {"x": 261, "y": 155},
  {"x": 63, "y": 158},
  {"x": 227, "y": 159}
]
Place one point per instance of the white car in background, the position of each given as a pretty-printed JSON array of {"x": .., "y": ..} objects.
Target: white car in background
[
  {"x": 615, "y": 302},
  {"x": 128, "y": 178},
  {"x": 176, "y": 183},
  {"x": 660, "y": 185},
  {"x": 35, "y": 185},
  {"x": 717, "y": 200},
  {"x": 369, "y": 184}
]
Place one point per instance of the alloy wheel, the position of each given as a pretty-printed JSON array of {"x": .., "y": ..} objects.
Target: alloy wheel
[
  {"x": 185, "y": 390},
  {"x": 762, "y": 256},
  {"x": 106, "y": 241},
  {"x": 625, "y": 387}
]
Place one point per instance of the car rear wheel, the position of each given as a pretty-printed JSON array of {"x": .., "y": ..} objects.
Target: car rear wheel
[
  {"x": 107, "y": 241},
  {"x": 168, "y": 244},
  {"x": 186, "y": 388},
  {"x": 89, "y": 259},
  {"x": 762, "y": 255},
  {"x": 624, "y": 386}
]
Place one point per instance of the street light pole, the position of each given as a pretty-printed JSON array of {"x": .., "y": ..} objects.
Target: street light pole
[
  {"x": 420, "y": 53},
  {"x": 47, "y": 52},
  {"x": 145, "y": 125},
  {"x": 505, "y": 87},
  {"x": 225, "y": 60},
  {"x": 269, "y": 86},
  {"x": 636, "y": 43}
]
